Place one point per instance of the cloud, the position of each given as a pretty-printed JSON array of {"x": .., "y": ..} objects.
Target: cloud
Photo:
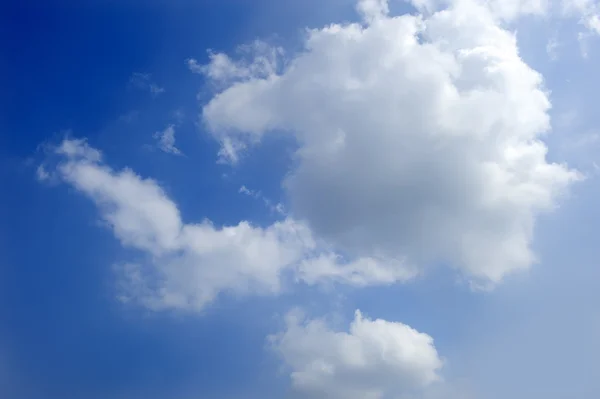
[
  {"x": 41, "y": 173},
  {"x": 502, "y": 10},
  {"x": 255, "y": 59},
  {"x": 552, "y": 48},
  {"x": 587, "y": 10},
  {"x": 166, "y": 140},
  {"x": 509, "y": 10},
  {"x": 588, "y": 13},
  {"x": 374, "y": 359},
  {"x": 143, "y": 81},
  {"x": 420, "y": 136},
  {"x": 258, "y": 195},
  {"x": 187, "y": 265}
]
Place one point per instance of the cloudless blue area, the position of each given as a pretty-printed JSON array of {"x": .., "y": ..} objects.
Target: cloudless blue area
[{"x": 65, "y": 65}]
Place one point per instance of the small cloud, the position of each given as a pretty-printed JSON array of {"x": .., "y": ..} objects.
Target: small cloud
[
  {"x": 42, "y": 174},
  {"x": 257, "y": 60},
  {"x": 194, "y": 66},
  {"x": 143, "y": 81},
  {"x": 552, "y": 49},
  {"x": 248, "y": 192},
  {"x": 230, "y": 151},
  {"x": 274, "y": 208},
  {"x": 166, "y": 140}
]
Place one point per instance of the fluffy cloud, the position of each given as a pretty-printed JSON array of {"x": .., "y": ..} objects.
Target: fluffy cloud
[
  {"x": 186, "y": 265},
  {"x": 420, "y": 136},
  {"x": 374, "y": 359}
]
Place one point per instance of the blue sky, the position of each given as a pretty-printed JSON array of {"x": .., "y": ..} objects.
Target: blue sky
[{"x": 198, "y": 195}]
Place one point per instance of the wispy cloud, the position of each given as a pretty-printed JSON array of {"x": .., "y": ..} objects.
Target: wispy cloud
[
  {"x": 258, "y": 195},
  {"x": 552, "y": 48},
  {"x": 166, "y": 140},
  {"x": 143, "y": 81}
]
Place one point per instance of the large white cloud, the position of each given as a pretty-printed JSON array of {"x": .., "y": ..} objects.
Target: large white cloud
[
  {"x": 420, "y": 136},
  {"x": 374, "y": 359}
]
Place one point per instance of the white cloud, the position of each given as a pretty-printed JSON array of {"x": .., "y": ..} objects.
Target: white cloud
[
  {"x": 587, "y": 10},
  {"x": 374, "y": 359},
  {"x": 420, "y": 138},
  {"x": 255, "y": 59},
  {"x": 258, "y": 195},
  {"x": 166, "y": 140},
  {"x": 371, "y": 10},
  {"x": 194, "y": 66},
  {"x": 588, "y": 13},
  {"x": 186, "y": 265}
]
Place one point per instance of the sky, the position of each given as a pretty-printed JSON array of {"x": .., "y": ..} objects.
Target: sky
[{"x": 328, "y": 199}]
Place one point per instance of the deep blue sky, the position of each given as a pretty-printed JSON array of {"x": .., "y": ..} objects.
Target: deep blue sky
[{"x": 66, "y": 65}]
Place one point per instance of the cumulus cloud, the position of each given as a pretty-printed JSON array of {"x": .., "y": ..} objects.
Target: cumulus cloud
[
  {"x": 420, "y": 136},
  {"x": 166, "y": 140},
  {"x": 187, "y": 265},
  {"x": 374, "y": 359}
]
